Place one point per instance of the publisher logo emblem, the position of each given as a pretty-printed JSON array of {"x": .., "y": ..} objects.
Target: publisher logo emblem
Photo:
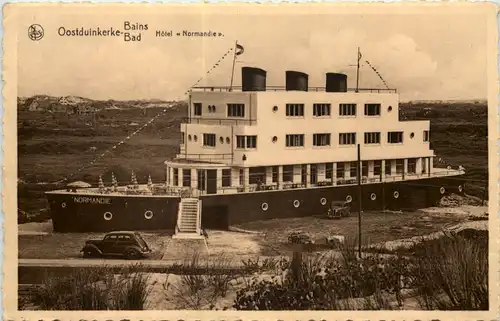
[{"x": 35, "y": 32}]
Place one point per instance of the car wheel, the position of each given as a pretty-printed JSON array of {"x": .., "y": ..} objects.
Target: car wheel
[
  {"x": 88, "y": 253},
  {"x": 131, "y": 254}
]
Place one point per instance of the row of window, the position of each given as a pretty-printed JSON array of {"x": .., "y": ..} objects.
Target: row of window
[
  {"x": 344, "y": 169},
  {"x": 319, "y": 139},
  {"x": 297, "y": 110}
]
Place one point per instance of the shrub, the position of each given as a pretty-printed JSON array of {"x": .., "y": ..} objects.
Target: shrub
[
  {"x": 452, "y": 274},
  {"x": 93, "y": 289}
]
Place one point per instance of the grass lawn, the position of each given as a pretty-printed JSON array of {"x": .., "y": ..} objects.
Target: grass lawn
[{"x": 68, "y": 246}]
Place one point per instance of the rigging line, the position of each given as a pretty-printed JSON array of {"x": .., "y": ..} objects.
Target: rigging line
[
  {"x": 92, "y": 163},
  {"x": 378, "y": 74}
]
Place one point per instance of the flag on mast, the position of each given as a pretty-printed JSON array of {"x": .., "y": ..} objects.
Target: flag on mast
[
  {"x": 359, "y": 56},
  {"x": 239, "y": 49}
]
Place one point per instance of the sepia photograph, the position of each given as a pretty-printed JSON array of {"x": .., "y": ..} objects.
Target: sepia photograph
[{"x": 251, "y": 157}]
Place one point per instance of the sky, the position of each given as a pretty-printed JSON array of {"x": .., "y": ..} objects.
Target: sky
[{"x": 426, "y": 55}]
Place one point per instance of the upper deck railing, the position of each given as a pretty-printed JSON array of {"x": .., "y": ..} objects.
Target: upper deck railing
[{"x": 282, "y": 88}]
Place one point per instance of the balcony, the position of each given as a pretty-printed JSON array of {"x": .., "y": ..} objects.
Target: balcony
[
  {"x": 282, "y": 88},
  {"x": 217, "y": 121}
]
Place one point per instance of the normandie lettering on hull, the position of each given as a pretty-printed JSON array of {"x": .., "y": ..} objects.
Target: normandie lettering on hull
[{"x": 92, "y": 200}]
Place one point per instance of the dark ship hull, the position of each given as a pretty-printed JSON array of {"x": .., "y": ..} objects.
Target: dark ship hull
[{"x": 84, "y": 212}]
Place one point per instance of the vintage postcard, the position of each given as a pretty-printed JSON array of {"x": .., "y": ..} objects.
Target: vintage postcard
[{"x": 228, "y": 162}]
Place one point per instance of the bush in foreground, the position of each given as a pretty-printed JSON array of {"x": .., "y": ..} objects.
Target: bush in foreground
[{"x": 94, "y": 289}]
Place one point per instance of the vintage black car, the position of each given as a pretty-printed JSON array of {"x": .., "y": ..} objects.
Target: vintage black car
[
  {"x": 339, "y": 209},
  {"x": 131, "y": 245}
]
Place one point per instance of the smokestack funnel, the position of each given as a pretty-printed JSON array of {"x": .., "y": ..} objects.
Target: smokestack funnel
[
  {"x": 296, "y": 80},
  {"x": 253, "y": 79},
  {"x": 336, "y": 82}
]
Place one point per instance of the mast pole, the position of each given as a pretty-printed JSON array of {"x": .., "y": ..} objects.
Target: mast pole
[
  {"x": 360, "y": 195},
  {"x": 357, "y": 72},
  {"x": 234, "y": 61}
]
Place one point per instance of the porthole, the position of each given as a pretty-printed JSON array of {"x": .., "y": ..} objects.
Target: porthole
[
  {"x": 148, "y": 215},
  {"x": 373, "y": 196},
  {"x": 348, "y": 199},
  {"x": 389, "y": 108},
  {"x": 228, "y": 140},
  {"x": 323, "y": 201},
  {"x": 296, "y": 203},
  {"x": 63, "y": 205},
  {"x": 396, "y": 194},
  {"x": 275, "y": 139},
  {"x": 190, "y": 138},
  {"x": 195, "y": 138},
  {"x": 221, "y": 140},
  {"x": 275, "y": 108},
  {"x": 460, "y": 188},
  {"x": 108, "y": 216},
  {"x": 264, "y": 206},
  {"x": 412, "y": 135},
  {"x": 442, "y": 190}
]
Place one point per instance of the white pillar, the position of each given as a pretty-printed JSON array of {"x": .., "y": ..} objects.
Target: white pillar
[
  {"x": 347, "y": 170},
  {"x": 246, "y": 179},
  {"x": 321, "y": 170},
  {"x": 219, "y": 179},
  {"x": 269, "y": 175},
  {"x": 393, "y": 167},
  {"x": 418, "y": 167},
  {"x": 171, "y": 176},
  {"x": 194, "y": 178},
  {"x": 405, "y": 166},
  {"x": 334, "y": 174},
  {"x": 235, "y": 177},
  {"x": 179, "y": 174}
]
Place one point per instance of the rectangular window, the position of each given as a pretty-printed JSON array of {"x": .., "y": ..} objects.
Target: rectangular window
[
  {"x": 176, "y": 177},
  {"x": 388, "y": 167},
  {"x": 186, "y": 177},
  {"x": 372, "y": 138},
  {"x": 328, "y": 170},
  {"x": 257, "y": 175},
  {"x": 353, "y": 170},
  {"x": 321, "y": 139},
  {"x": 242, "y": 177},
  {"x": 275, "y": 174},
  {"x": 295, "y": 140},
  {"x": 235, "y": 110},
  {"x": 197, "y": 109},
  {"x": 399, "y": 166},
  {"x": 364, "y": 169},
  {"x": 372, "y": 109},
  {"x": 426, "y": 135},
  {"x": 226, "y": 177},
  {"x": 183, "y": 137},
  {"x": 412, "y": 165},
  {"x": 340, "y": 170},
  {"x": 288, "y": 173},
  {"x": 395, "y": 137},
  {"x": 295, "y": 110},
  {"x": 240, "y": 141},
  {"x": 251, "y": 141},
  {"x": 320, "y": 110},
  {"x": 377, "y": 168},
  {"x": 347, "y": 110},
  {"x": 209, "y": 140},
  {"x": 347, "y": 138},
  {"x": 246, "y": 141}
]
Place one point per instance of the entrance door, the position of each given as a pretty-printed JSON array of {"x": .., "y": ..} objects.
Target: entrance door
[
  {"x": 211, "y": 181},
  {"x": 202, "y": 180}
]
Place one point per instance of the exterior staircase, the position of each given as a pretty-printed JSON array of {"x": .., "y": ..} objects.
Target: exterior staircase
[{"x": 189, "y": 219}]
